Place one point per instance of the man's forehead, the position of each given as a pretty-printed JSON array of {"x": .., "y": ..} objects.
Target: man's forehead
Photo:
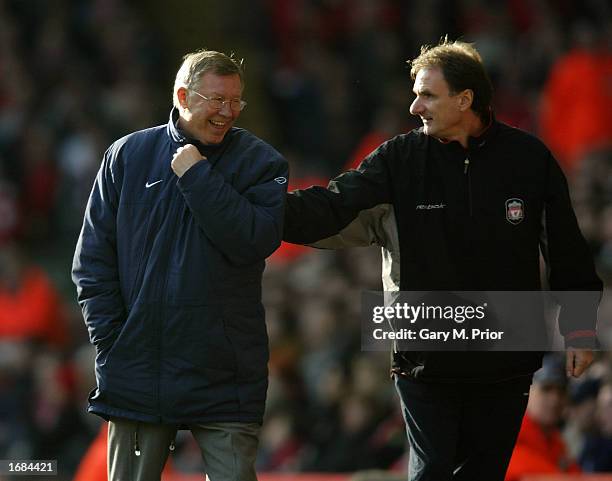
[
  {"x": 216, "y": 81},
  {"x": 429, "y": 77}
]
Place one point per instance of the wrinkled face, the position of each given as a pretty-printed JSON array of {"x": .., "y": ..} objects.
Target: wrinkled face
[
  {"x": 438, "y": 109},
  {"x": 200, "y": 119}
]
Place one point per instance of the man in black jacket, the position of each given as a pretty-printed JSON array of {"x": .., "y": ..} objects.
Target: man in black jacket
[{"x": 462, "y": 203}]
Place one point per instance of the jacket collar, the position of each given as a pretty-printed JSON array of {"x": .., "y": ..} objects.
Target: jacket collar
[
  {"x": 179, "y": 136},
  {"x": 475, "y": 143},
  {"x": 176, "y": 134}
]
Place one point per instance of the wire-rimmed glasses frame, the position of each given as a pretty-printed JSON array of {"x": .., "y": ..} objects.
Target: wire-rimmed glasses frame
[{"x": 217, "y": 103}]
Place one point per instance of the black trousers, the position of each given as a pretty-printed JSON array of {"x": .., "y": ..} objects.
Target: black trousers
[{"x": 461, "y": 432}]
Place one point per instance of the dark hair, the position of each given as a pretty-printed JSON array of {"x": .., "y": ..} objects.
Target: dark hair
[{"x": 462, "y": 68}]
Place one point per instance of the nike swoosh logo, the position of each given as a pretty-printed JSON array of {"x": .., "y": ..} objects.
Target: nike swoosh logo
[{"x": 147, "y": 185}]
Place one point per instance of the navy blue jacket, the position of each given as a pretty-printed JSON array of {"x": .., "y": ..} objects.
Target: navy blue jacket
[{"x": 168, "y": 274}]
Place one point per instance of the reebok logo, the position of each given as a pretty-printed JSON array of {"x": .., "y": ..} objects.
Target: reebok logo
[{"x": 430, "y": 206}]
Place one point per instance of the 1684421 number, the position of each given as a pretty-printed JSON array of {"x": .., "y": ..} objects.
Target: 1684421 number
[{"x": 27, "y": 466}]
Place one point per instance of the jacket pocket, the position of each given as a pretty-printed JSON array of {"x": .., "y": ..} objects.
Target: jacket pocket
[
  {"x": 246, "y": 330},
  {"x": 196, "y": 339},
  {"x": 105, "y": 345}
]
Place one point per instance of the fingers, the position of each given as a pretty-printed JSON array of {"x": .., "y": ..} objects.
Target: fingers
[
  {"x": 176, "y": 154},
  {"x": 580, "y": 365},
  {"x": 184, "y": 158},
  {"x": 186, "y": 148},
  {"x": 569, "y": 362},
  {"x": 577, "y": 361}
]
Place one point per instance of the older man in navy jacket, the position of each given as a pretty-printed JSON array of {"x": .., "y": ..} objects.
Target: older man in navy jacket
[{"x": 168, "y": 270}]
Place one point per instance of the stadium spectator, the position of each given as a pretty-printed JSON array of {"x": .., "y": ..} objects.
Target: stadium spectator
[
  {"x": 580, "y": 420},
  {"x": 597, "y": 453},
  {"x": 574, "y": 125},
  {"x": 540, "y": 448},
  {"x": 30, "y": 306}
]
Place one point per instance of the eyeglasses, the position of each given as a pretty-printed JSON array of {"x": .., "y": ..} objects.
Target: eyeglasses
[{"x": 217, "y": 103}]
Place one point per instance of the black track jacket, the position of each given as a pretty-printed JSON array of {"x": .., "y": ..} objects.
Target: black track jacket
[{"x": 449, "y": 218}]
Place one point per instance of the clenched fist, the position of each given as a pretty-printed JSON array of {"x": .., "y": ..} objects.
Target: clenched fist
[{"x": 184, "y": 158}]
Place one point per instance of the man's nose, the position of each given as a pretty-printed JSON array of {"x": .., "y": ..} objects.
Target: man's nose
[
  {"x": 226, "y": 109},
  {"x": 415, "y": 107}
]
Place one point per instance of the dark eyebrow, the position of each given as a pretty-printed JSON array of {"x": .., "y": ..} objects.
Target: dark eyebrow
[{"x": 422, "y": 92}]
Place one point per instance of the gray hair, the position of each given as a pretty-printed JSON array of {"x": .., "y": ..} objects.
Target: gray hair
[{"x": 196, "y": 64}]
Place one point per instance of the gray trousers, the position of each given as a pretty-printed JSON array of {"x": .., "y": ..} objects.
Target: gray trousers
[{"x": 138, "y": 451}]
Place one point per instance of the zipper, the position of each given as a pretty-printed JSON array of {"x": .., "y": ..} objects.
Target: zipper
[
  {"x": 162, "y": 305},
  {"x": 466, "y": 173},
  {"x": 136, "y": 446}
]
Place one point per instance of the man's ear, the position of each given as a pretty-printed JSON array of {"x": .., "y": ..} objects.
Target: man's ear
[
  {"x": 465, "y": 99},
  {"x": 181, "y": 95}
]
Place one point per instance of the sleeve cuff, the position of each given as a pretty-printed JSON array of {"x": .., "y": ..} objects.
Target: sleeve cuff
[
  {"x": 192, "y": 175},
  {"x": 583, "y": 339}
]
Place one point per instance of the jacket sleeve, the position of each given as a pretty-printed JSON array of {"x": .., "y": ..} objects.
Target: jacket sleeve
[
  {"x": 94, "y": 267},
  {"x": 245, "y": 226},
  {"x": 570, "y": 268},
  {"x": 348, "y": 212}
]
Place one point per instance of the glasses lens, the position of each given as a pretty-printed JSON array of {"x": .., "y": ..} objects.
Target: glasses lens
[{"x": 216, "y": 103}]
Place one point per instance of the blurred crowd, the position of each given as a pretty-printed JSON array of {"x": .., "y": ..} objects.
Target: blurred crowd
[{"x": 329, "y": 82}]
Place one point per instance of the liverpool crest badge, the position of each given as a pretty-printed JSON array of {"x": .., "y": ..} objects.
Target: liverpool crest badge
[{"x": 515, "y": 210}]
